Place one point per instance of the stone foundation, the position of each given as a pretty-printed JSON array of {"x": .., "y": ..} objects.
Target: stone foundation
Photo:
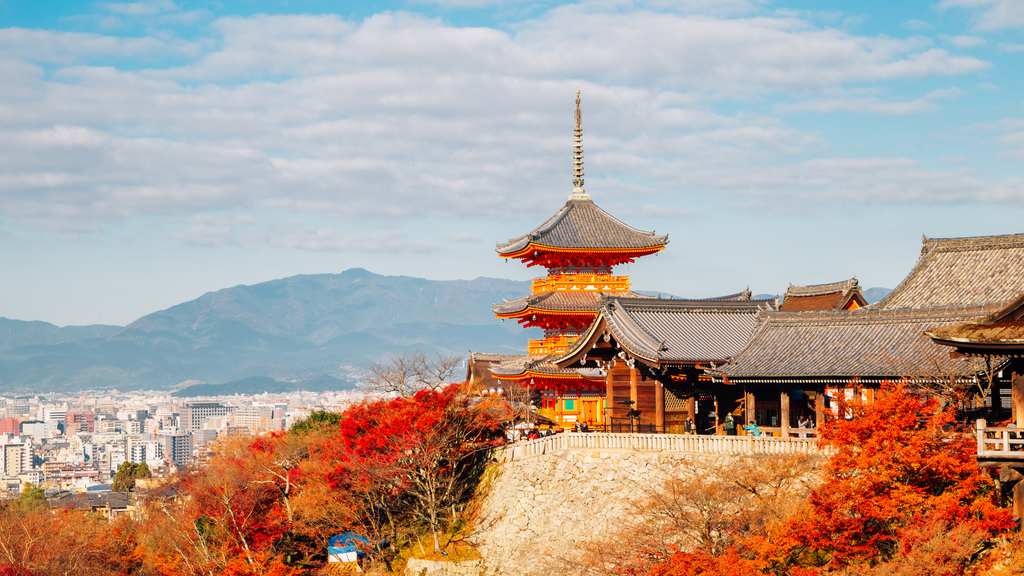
[{"x": 541, "y": 515}]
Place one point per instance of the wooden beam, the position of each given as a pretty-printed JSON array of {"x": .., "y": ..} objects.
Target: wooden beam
[
  {"x": 1017, "y": 394},
  {"x": 609, "y": 393},
  {"x": 659, "y": 404},
  {"x": 748, "y": 406},
  {"x": 632, "y": 388},
  {"x": 819, "y": 409},
  {"x": 784, "y": 413}
]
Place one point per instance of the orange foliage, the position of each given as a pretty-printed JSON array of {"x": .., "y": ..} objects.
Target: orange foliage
[{"x": 901, "y": 489}]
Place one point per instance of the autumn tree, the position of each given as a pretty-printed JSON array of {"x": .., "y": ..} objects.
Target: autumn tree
[
  {"x": 406, "y": 373},
  {"x": 35, "y": 540},
  {"x": 219, "y": 520},
  {"x": 898, "y": 464},
  {"x": 899, "y": 493},
  {"x": 413, "y": 457}
]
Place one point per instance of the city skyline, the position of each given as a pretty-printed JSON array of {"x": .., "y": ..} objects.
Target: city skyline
[{"x": 154, "y": 151}]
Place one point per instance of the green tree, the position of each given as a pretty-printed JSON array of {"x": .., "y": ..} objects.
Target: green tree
[
  {"x": 317, "y": 420},
  {"x": 124, "y": 480},
  {"x": 32, "y": 496}
]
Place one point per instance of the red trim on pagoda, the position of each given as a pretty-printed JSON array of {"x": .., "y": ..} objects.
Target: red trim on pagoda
[
  {"x": 552, "y": 320},
  {"x": 556, "y": 383},
  {"x": 569, "y": 258}
]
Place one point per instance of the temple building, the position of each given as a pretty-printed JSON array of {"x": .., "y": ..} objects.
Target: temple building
[
  {"x": 654, "y": 354},
  {"x": 797, "y": 362},
  {"x": 579, "y": 246},
  {"x": 959, "y": 271},
  {"x": 845, "y": 295}
]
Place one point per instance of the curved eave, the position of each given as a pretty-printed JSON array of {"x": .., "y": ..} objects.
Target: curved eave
[
  {"x": 531, "y": 247},
  {"x": 529, "y": 310},
  {"x": 532, "y": 374}
]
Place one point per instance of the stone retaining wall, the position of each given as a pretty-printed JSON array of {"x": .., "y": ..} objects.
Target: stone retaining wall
[{"x": 541, "y": 514}]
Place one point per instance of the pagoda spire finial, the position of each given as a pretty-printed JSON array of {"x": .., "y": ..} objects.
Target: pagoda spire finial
[{"x": 577, "y": 174}]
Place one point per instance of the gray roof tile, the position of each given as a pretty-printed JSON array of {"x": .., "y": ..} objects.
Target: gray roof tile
[
  {"x": 838, "y": 344},
  {"x": 961, "y": 271},
  {"x": 581, "y": 224}
]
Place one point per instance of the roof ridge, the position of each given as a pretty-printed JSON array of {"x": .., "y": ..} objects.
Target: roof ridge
[
  {"x": 821, "y": 289},
  {"x": 975, "y": 242},
  {"x": 871, "y": 315}
]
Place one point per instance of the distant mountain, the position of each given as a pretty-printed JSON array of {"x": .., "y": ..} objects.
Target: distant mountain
[
  {"x": 873, "y": 295},
  {"x": 18, "y": 333},
  {"x": 293, "y": 329},
  {"x": 262, "y": 384}
]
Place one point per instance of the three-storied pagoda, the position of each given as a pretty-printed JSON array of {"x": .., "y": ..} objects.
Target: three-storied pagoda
[{"x": 579, "y": 246}]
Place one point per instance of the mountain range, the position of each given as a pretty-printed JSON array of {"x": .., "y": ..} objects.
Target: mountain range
[
  {"x": 311, "y": 332},
  {"x": 295, "y": 329}
]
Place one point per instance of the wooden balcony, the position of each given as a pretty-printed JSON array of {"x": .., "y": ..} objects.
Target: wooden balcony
[
  {"x": 581, "y": 283},
  {"x": 999, "y": 445},
  {"x": 553, "y": 345}
]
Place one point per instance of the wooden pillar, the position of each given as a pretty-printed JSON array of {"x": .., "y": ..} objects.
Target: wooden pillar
[
  {"x": 1017, "y": 394},
  {"x": 748, "y": 407},
  {"x": 632, "y": 392},
  {"x": 819, "y": 409},
  {"x": 784, "y": 413},
  {"x": 691, "y": 407},
  {"x": 609, "y": 394},
  {"x": 659, "y": 406}
]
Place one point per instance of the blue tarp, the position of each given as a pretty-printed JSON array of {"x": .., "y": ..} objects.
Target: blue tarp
[{"x": 347, "y": 542}]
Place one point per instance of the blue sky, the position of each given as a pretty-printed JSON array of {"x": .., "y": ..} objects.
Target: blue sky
[{"x": 154, "y": 151}]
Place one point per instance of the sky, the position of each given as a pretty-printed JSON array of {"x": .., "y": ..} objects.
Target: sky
[{"x": 153, "y": 151}]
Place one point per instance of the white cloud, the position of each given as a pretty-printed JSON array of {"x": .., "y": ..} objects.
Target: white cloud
[
  {"x": 245, "y": 231},
  {"x": 991, "y": 14},
  {"x": 150, "y": 8},
  {"x": 916, "y": 25},
  {"x": 874, "y": 105},
  {"x": 653, "y": 211},
  {"x": 461, "y": 237},
  {"x": 400, "y": 116},
  {"x": 963, "y": 41},
  {"x": 45, "y": 46},
  {"x": 820, "y": 183},
  {"x": 1010, "y": 47}
]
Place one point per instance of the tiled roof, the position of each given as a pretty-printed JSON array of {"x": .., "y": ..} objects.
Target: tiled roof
[
  {"x": 491, "y": 357},
  {"x": 559, "y": 302},
  {"x": 1001, "y": 331},
  {"x": 834, "y": 296},
  {"x": 961, "y": 271},
  {"x": 820, "y": 289},
  {"x": 581, "y": 224},
  {"x": 539, "y": 365},
  {"x": 674, "y": 330},
  {"x": 838, "y": 344}
]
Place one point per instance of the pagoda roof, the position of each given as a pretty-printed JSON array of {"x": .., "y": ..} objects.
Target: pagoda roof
[
  {"x": 522, "y": 366},
  {"x": 582, "y": 302},
  {"x": 671, "y": 331},
  {"x": 582, "y": 225},
  {"x": 962, "y": 271},
  {"x": 834, "y": 347},
  {"x": 1000, "y": 334},
  {"x": 833, "y": 296}
]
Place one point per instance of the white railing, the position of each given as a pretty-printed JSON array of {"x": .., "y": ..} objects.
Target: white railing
[
  {"x": 656, "y": 443},
  {"x": 1000, "y": 442}
]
